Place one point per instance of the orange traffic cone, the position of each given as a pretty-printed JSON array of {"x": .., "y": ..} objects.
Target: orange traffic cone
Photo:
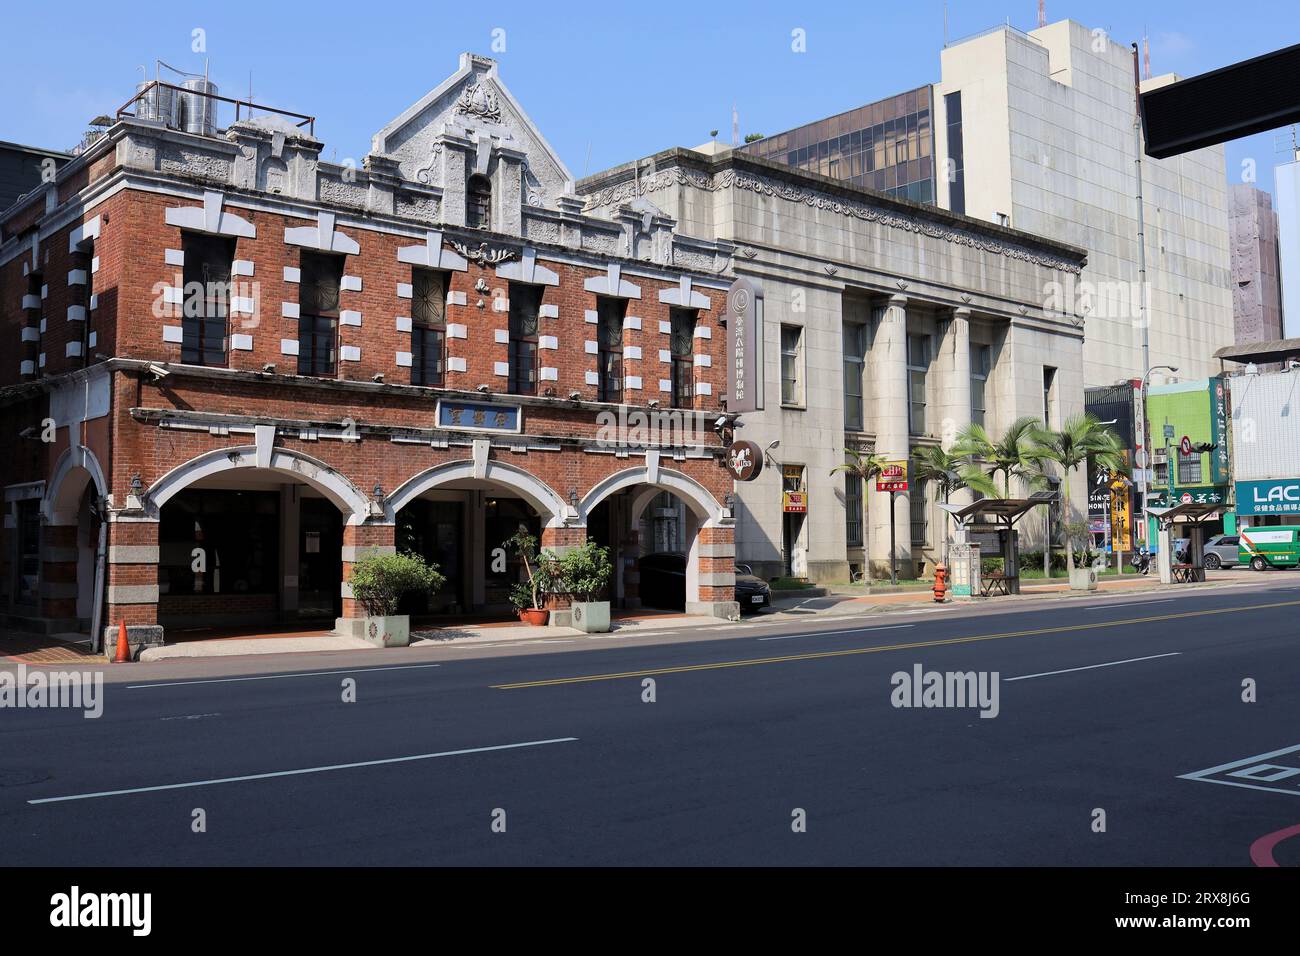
[{"x": 123, "y": 655}]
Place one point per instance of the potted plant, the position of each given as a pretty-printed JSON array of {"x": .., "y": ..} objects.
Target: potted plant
[
  {"x": 1083, "y": 571},
  {"x": 583, "y": 573},
  {"x": 379, "y": 581},
  {"x": 526, "y": 596}
]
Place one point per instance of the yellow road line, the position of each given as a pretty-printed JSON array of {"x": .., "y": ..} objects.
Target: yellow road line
[{"x": 687, "y": 668}]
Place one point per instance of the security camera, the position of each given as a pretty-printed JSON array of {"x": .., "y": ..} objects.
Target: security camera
[
  {"x": 654, "y": 403},
  {"x": 268, "y": 367},
  {"x": 158, "y": 371},
  {"x": 377, "y": 377},
  {"x": 720, "y": 423},
  {"x": 575, "y": 396},
  {"x": 29, "y": 432},
  {"x": 485, "y": 389}
]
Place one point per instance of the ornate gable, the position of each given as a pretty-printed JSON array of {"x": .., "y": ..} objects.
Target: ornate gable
[{"x": 472, "y": 114}]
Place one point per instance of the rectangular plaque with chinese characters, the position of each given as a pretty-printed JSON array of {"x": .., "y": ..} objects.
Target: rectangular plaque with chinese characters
[{"x": 479, "y": 416}]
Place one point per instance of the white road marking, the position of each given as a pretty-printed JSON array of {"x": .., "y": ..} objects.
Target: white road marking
[
  {"x": 1071, "y": 670},
  {"x": 296, "y": 773},
  {"x": 189, "y": 717},
  {"x": 231, "y": 680},
  {"x": 1241, "y": 768},
  {"x": 853, "y": 630},
  {"x": 1102, "y": 607}
]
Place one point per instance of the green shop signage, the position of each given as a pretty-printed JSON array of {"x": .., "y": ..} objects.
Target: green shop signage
[{"x": 1278, "y": 496}]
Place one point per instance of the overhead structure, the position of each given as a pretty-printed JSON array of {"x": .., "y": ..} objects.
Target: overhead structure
[{"x": 1228, "y": 103}]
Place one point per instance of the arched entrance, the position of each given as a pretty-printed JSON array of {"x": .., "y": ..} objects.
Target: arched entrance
[
  {"x": 459, "y": 515},
  {"x": 72, "y": 542},
  {"x": 249, "y": 537},
  {"x": 643, "y": 510}
]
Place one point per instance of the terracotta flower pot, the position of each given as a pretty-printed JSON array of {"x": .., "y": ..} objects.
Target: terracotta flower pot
[{"x": 535, "y": 616}]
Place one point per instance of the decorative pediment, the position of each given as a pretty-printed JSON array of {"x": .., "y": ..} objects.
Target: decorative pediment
[{"x": 471, "y": 110}]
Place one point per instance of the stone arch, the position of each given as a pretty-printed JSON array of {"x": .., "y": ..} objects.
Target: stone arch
[
  {"x": 694, "y": 495},
  {"x": 536, "y": 492},
  {"x": 63, "y": 493},
  {"x": 310, "y": 471}
]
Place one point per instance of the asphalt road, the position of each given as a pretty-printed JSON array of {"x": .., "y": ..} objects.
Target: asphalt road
[{"x": 1106, "y": 704}]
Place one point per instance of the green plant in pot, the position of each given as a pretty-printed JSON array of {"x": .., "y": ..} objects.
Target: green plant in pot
[
  {"x": 584, "y": 573},
  {"x": 527, "y": 596},
  {"x": 379, "y": 581}
]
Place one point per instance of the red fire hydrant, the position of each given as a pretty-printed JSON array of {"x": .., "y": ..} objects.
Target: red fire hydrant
[{"x": 940, "y": 584}]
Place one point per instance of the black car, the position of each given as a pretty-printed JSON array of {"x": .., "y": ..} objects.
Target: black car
[{"x": 663, "y": 583}]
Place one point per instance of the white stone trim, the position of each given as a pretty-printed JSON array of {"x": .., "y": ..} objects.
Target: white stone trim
[
  {"x": 322, "y": 236},
  {"x": 593, "y": 378},
  {"x": 632, "y": 352},
  {"x": 73, "y": 350},
  {"x": 612, "y": 284},
  {"x": 457, "y": 331},
  {"x": 76, "y": 313},
  {"x": 26, "y": 367},
  {"x": 174, "y": 257},
  {"x": 665, "y": 327},
  {"x": 501, "y": 304},
  {"x": 241, "y": 343},
  {"x": 290, "y": 310},
  {"x": 350, "y": 353},
  {"x": 173, "y": 333},
  {"x": 349, "y": 317},
  {"x": 526, "y": 269},
  {"x": 288, "y": 346},
  {"x": 591, "y": 316},
  {"x": 77, "y": 277},
  {"x": 31, "y": 334},
  {"x": 501, "y": 336},
  {"x": 31, "y": 301},
  {"x": 404, "y": 359},
  {"x": 209, "y": 218},
  {"x": 405, "y": 290},
  {"x": 173, "y": 295},
  {"x": 292, "y": 274},
  {"x": 94, "y": 301},
  {"x": 632, "y": 322},
  {"x": 703, "y": 331},
  {"x": 92, "y": 339},
  {"x": 350, "y": 284},
  {"x": 632, "y": 382},
  {"x": 591, "y": 347},
  {"x": 703, "y": 388},
  {"x": 242, "y": 267},
  {"x": 548, "y": 310},
  {"x": 704, "y": 361},
  {"x": 242, "y": 305},
  {"x": 684, "y": 295},
  {"x": 665, "y": 356},
  {"x": 457, "y": 298},
  {"x": 403, "y": 323},
  {"x": 88, "y": 230},
  {"x": 665, "y": 385},
  {"x": 41, "y": 360},
  {"x": 455, "y": 363},
  {"x": 548, "y": 374},
  {"x": 501, "y": 369},
  {"x": 432, "y": 255},
  {"x": 548, "y": 342}
]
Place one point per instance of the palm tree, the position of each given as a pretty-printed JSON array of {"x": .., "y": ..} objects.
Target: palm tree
[
  {"x": 1082, "y": 440},
  {"x": 1017, "y": 454},
  {"x": 950, "y": 472},
  {"x": 865, "y": 467}
]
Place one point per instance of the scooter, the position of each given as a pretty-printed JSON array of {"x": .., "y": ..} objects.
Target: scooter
[{"x": 1142, "y": 562}]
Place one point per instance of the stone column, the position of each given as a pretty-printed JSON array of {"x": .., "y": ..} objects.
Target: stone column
[
  {"x": 131, "y": 584},
  {"x": 711, "y": 571},
  {"x": 289, "y": 550},
  {"x": 888, "y": 361},
  {"x": 956, "y": 389},
  {"x": 360, "y": 540}
]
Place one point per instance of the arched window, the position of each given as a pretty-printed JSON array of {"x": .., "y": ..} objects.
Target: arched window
[{"x": 478, "y": 203}]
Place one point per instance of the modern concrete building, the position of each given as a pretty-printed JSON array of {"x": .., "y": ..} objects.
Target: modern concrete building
[
  {"x": 1286, "y": 179},
  {"x": 888, "y": 325},
  {"x": 1256, "y": 287},
  {"x": 24, "y": 168},
  {"x": 1035, "y": 130}
]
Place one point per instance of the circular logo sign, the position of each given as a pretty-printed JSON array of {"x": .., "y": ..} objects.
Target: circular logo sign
[
  {"x": 744, "y": 460},
  {"x": 1185, "y": 446},
  {"x": 740, "y": 301}
]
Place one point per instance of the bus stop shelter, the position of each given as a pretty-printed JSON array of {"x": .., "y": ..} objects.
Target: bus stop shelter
[
  {"x": 989, "y": 516},
  {"x": 1191, "y": 517}
]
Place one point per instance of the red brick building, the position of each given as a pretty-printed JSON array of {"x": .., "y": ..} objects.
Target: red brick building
[{"x": 230, "y": 367}]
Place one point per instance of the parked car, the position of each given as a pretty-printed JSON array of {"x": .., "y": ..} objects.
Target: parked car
[
  {"x": 1221, "y": 551},
  {"x": 663, "y": 583}
]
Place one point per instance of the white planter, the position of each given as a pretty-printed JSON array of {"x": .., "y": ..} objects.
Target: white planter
[
  {"x": 392, "y": 631},
  {"x": 591, "y": 617},
  {"x": 1083, "y": 579}
]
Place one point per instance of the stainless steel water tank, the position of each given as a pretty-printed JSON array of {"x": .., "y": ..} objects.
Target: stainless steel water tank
[
  {"x": 198, "y": 112},
  {"x": 160, "y": 104}
]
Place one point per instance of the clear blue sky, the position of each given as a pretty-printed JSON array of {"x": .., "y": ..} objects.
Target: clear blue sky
[{"x": 606, "y": 82}]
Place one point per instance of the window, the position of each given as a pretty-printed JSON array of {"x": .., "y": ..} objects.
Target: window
[
  {"x": 981, "y": 361},
  {"x": 855, "y": 354},
  {"x": 683, "y": 352},
  {"x": 1049, "y": 379},
  {"x": 916, "y": 501},
  {"x": 956, "y": 159},
  {"x": 1189, "y": 468},
  {"x": 428, "y": 326},
  {"x": 918, "y": 363},
  {"x": 525, "y": 303},
  {"x": 609, "y": 348},
  {"x": 238, "y": 533},
  {"x": 853, "y": 510},
  {"x": 318, "y": 313},
  {"x": 478, "y": 203},
  {"x": 791, "y": 360},
  {"x": 207, "y": 299}
]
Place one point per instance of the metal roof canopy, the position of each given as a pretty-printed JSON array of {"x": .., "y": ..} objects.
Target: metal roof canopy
[
  {"x": 1001, "y": 510},
  {"x": 1273, "y": 350},
  {"x": 1188, "y": 512},
  {"x": 1234, "y": 101}
]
